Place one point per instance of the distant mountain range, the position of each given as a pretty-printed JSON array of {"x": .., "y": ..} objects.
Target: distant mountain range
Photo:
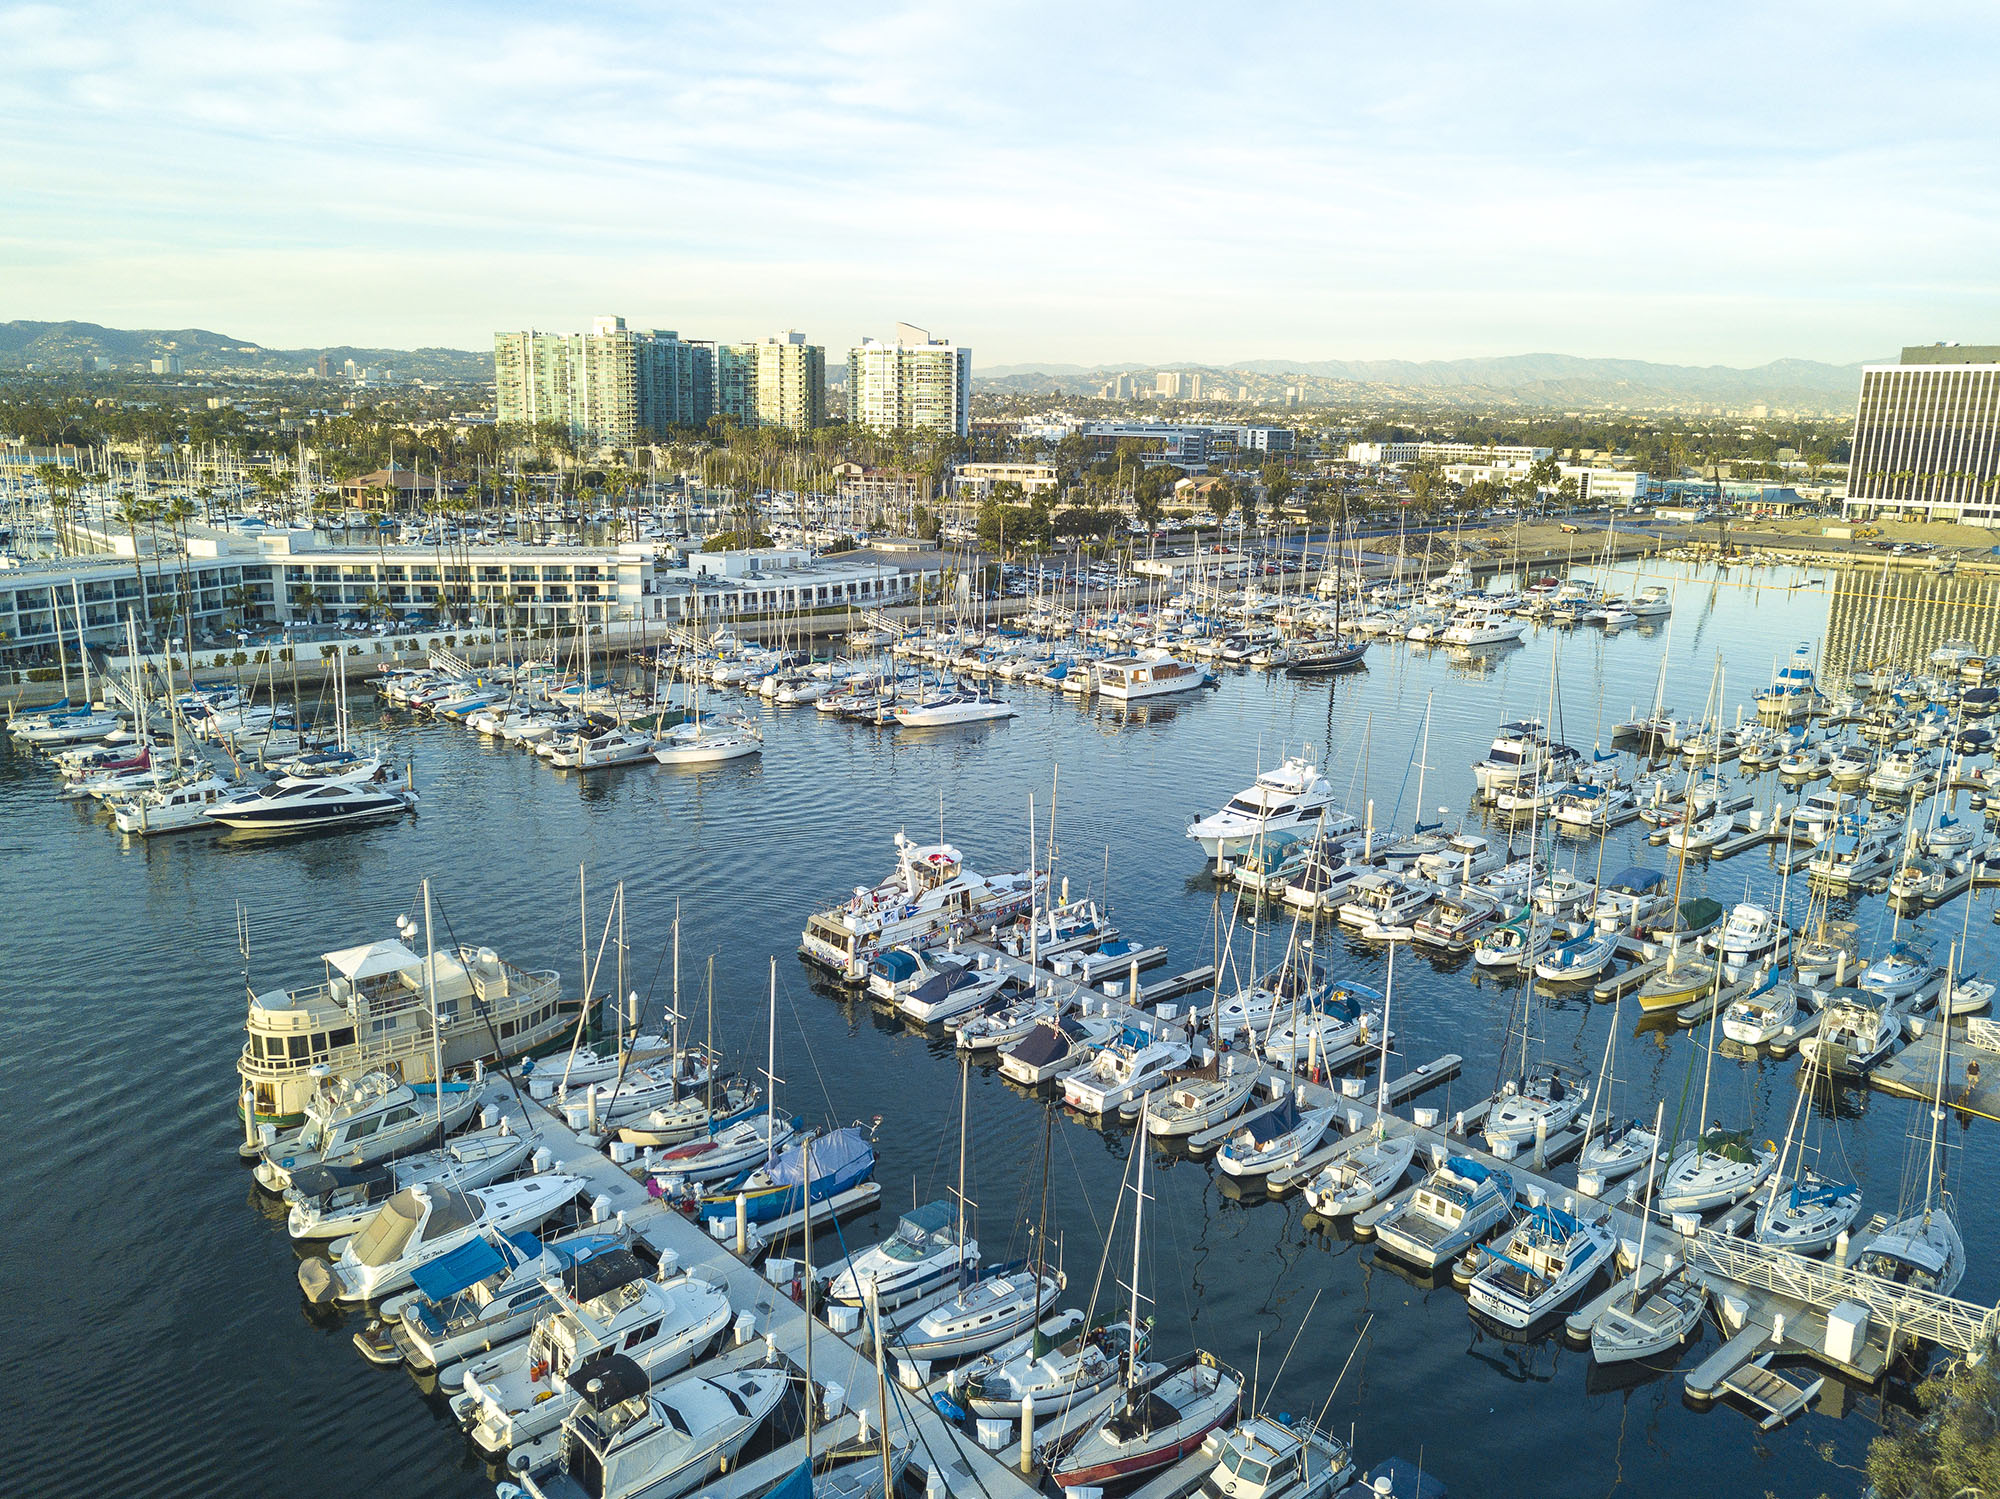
[
  {"x": 1561, "y": 381},
  {"x": 77, "y": 346}
]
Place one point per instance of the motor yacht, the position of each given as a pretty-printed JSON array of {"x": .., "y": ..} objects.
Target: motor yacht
[
  {"x": 419, "y": 1224},
  {"x": 922, "y": 1255},
  {"x": 1856, "y": 1030},
  {"x": 329, "y": 1202},
  {"x": 1150, "y": 674},
  {"x": 1453, "y": 923},
  {"x": 354, "y": 1121},
  {"x": 1452, "y": 1208},
  {"x": 1294, "y": 795},
  {"x": 1124, "y": 1069},
  {"x": 1269, "y": 1457},
  {"x": 628, "y": 1438},
  {"x": 1547, "y": 1260},
  {"x": 939, "y": 709},
  {"x": 1854, "y": 853},
  {"x": 1630, "y": 899},
  {"x": 291, "y": 803},
  {"x": 175, "y": 806},
  {"x": 1385, "y": 905},
  {"x": 498, "y": 1295}
]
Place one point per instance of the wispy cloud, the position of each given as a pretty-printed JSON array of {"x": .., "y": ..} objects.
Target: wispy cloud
[{"x": 1066, "y": 182}]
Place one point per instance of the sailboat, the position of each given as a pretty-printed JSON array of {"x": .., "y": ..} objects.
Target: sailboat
[
  {"x": 1923, "y": 1249},
  {"x": 1807, "y": 1212},
  {"x": 1366, "y": 1174},
  {"x": 1649, "y": 1320}
]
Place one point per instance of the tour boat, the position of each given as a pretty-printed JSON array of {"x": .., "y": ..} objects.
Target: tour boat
[
  {"x": 1545, "y": 1261},
  {"x": 421, "y": 1223},
  {"x": 627, "y": 1438},
  {"x": 1294, "y": 795},
  {"x": 373, "y": 1011}
]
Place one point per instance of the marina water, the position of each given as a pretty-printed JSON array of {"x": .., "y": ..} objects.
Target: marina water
[{"x": 157, "y": 1339}]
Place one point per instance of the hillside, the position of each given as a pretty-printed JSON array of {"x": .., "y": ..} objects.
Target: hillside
[{"x": 74, "y": 346}]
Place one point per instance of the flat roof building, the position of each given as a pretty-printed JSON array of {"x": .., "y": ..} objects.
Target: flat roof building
[
  {"x": 1927, "y": 437},
  {"x": 909, "y": 382},
  {"x": 608, "y": 386}
]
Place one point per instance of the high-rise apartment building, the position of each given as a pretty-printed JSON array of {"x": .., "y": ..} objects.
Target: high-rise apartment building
[
  {"x": 910, "y": 381},
  {"x": 610, "y": 386},
  {"x": 1927, "y": 436},
  {"x": 1167, "y": 385}
]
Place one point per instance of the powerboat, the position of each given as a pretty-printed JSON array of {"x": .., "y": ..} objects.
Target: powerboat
[
  {"x": 291, "y": 803},
  {"x": 940, "y": 709},
  {"x": 1294, "y": 795},
  {"x": 524, "y": 1390},
  {"x": 630, "y": 1440},
  {"x": 458, "y": 1312},
  {"x": 1269, "y": 1457},
  {"x": 1544, "y": 1261},
  {"x": 421, "y": 1223},
  {"x": 1631, "y": 898},
  {"x": 922, "y": 1255},
  {"x": 952, "y": 993},
  {"x": 1856, "y": 1030},
  {"x": 1750, "y": 936},
  {"x": 1759, "y": 1018},
  {"x": 329, "y": 1202},
  {"x": 1454, "y": 1207},
  {"x": 992, "y": 1310},
  {"x": 353, "y": 1121},
  {"x": 1124, "y": 1069}
]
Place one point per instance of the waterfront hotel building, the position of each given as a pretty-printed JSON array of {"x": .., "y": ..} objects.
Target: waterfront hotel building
[{"x": 1927, "y": 437}]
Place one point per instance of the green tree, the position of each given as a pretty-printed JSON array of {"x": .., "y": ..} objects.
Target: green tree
[
  {"x": 131, "y": 512},
  {"x": 1221, "y": 500},
  {"x": 1278, "y": 483},
  {"x": 1954, "y": 1450}
]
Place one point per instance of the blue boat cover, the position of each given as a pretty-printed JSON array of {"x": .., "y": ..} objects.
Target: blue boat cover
[
  {"x": 1468, "y": 1168},
  {"x": 1636, "y": 877},
  {"x": 464, "y": 1266},
  {"x": 1554, "y": 1222},
  {"x": 1280, "y": 1121},
  {"x": 896, "y": 965},
  {"x": 836, "y": 1154},
  {"x": 797, "y": 1484}
]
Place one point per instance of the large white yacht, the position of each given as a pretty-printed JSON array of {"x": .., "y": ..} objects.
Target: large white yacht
[
  {"x": 1130, "y": 679},
  {"x": 291, "y": 803},
  {"x": 1293, "y": 795},
  {"x": 372, "y": 1013},
  {"x": 930, "y": 899}
]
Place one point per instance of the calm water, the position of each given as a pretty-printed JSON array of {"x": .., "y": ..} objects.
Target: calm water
[{"x": 157, "y": 1340}]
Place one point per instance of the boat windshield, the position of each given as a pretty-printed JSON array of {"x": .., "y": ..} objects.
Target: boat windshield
[{"x": 1246, "y": 1467}]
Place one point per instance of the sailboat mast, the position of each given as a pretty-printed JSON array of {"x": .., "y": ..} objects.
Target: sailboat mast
[
  {"x": 964, "y": 1095},
  {"x": 1646, "y": 1213},
  {"x": 1138, "y": 1214},
  {"x": 771, "y": 1082},
  {"x": 437, "y": 1037}
]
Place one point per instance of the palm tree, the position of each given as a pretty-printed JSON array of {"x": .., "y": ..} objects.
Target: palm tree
[
  {"x": 131, "y": 511},
  {"x": 307, "y": 598},
  {"x": 374, "y": 603},
  {"x": 239, "y": 601}
]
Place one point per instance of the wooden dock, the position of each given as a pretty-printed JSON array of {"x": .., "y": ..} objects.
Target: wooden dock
[{"x": 1971, "y": 1079}]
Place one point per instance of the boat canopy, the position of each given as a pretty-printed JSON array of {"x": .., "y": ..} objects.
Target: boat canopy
[
  {"x": 1636, "y": 879},
  {"x": 1466, "y": 1167},
  {"x": 1280, "y": 1121},
  {"x": 601, "y": 1274},
  {"x": 1044, "y": 1044},
  {"x": 835, "y": 1154},
  {"x": 469, "y": 1264},
  {"x": 609, "y": 1380},
  {"x": 897, "y": 965},
  {"x": 372, "y": 960},
  {"x": 1554, "y": 1222},
  {"x": 931, "y": 1218}
]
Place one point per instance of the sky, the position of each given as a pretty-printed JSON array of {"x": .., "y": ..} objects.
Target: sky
[{"x": 1693, "y": 183}]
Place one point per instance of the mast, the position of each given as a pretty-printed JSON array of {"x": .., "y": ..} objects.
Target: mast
[
  {"x": 1382, "y": 1083},
  {"x": 771, "y": 1083},
  {"x": 964, "y": 1093},
  {"x": 437, "y": 1037},
  {"x": 1138, "y": 1214},
  {"x": 1646, "y": 1213}
]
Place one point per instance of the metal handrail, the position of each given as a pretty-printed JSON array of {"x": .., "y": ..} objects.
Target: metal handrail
[{"x": 1961, "y": 1325}]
